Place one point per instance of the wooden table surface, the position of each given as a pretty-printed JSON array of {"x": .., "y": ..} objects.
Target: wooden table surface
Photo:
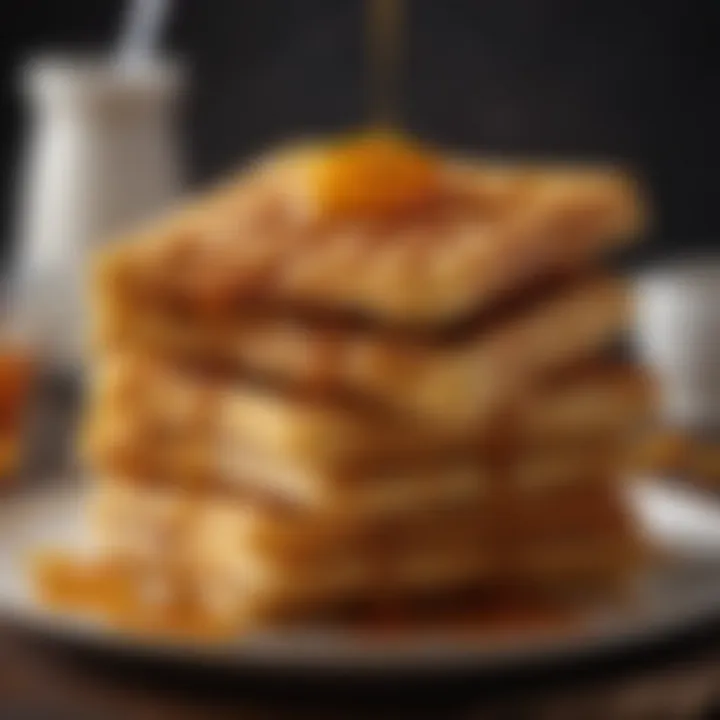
[{"x": 45, "y": 679}]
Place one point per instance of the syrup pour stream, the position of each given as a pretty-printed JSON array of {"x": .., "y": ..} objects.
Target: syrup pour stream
[{"x": 385, "y": 47}]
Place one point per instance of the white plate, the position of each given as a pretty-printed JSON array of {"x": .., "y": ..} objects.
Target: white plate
[{"x": 686, "y": 592}]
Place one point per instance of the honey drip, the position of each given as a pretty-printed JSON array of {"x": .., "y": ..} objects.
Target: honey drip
[
  {"x": 112, "y": 592},
  {"x": 377, "y": 175}
]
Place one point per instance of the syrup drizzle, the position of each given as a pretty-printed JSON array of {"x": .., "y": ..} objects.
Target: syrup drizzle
[{"x": 385, "y": 50}]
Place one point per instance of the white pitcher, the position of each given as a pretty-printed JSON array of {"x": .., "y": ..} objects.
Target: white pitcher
[{"x": 102, "y": 155}]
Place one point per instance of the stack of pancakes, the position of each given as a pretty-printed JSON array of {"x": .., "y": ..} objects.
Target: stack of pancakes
[{"x": 366, "y": 372}]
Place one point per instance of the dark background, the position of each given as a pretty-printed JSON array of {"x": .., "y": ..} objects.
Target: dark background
[{"x": 635, "y": 80}]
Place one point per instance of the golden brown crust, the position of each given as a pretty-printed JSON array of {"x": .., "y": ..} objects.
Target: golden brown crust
[
  {"x": 507, "y": 513},
  {"x": 222, "y": 547},
  {"x": 448, "y": 384},
  {"x": 465, "y": 477},
  {"x": 499, "y": 227},
  {"x": 139, "y": 400}
]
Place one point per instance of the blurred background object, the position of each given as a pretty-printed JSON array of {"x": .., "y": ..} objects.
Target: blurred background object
[
  {"x": 102, "y": 153},
  {"x": 694, "y": 456},
  {"x": 17, "y": 371},
  {"x": 678, "y": 336}
]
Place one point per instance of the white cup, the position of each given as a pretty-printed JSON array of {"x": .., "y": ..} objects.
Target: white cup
[{"x": 678, "y": 337}]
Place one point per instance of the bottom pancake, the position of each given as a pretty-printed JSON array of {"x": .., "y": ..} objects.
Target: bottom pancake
[{"x": 247, "y": 562}]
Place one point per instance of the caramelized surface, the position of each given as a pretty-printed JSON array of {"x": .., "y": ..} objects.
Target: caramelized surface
[
  {"x": 508, "y": 514},
  {"x": 142, "y": 402},
  {"x": 488, "y": 230},
  {"x": 446, "y": 384},
  {"x": 590, "y": 541}
]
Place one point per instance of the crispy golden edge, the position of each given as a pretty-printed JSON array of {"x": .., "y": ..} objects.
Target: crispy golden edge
[
  {"x": 132, "y": 390},
  {"x": 505, "y": 515},
  {"x": 444, "y": 385},
  {"x": 216, "y": 537},
  {"x": 468, "y": 477},
  {"x": 267, "y": 579}
]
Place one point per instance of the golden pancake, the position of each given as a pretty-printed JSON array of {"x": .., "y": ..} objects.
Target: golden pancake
[
  {"x": 485, "y": 230},
  {"x": 447, "y": 384}
]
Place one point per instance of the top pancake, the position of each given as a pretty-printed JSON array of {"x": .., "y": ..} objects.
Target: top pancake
[{"x": 303, "y": 233}]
